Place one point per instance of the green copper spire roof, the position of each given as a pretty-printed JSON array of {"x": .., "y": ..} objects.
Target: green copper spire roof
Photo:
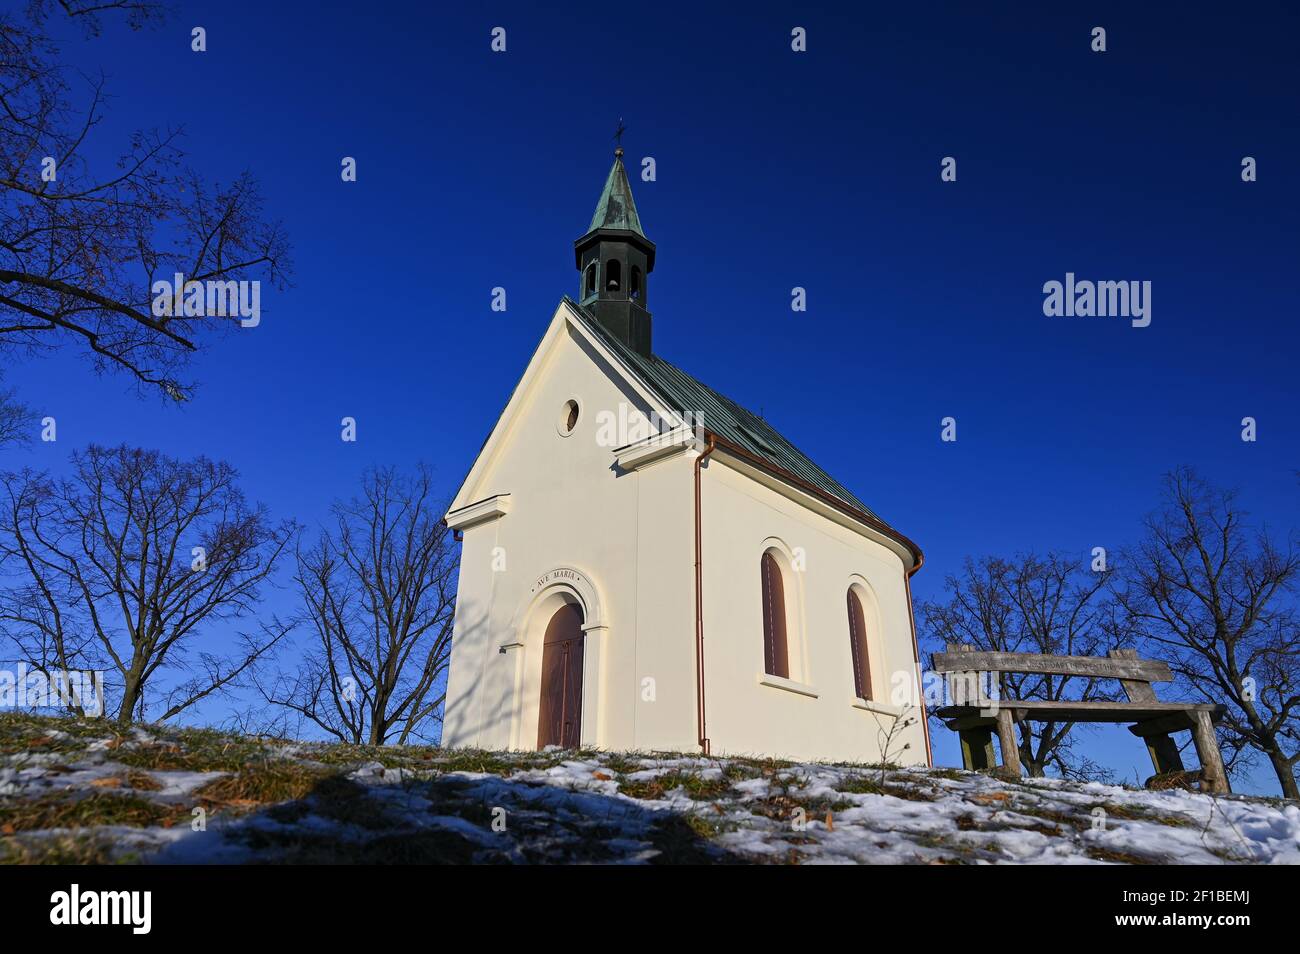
[{"x": 616, "y": 210}]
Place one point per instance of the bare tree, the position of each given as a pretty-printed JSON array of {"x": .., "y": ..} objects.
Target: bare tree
[
  {"x": 80, "y": 247},
  {"x": 1032, "y": 604},
  {"x": 128, "y": 564},
  {"x": 90, "y": 14},
  {"x": 38, "y": 610},
  {"x": 14, "y": 418},
  {"x": 1216, "y": 600},
  {"x": 379, "y": 592}
]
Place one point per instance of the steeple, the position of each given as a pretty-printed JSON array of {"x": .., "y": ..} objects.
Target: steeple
[
  {"x": 614, "y": 258},
  {"x": 616, "y": 208}
]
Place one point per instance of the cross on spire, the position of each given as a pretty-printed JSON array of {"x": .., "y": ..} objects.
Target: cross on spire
[{"x": 618, "y": 137}]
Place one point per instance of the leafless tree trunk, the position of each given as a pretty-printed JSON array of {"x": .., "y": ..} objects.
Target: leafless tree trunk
[
  {"x": 1216, "y": 600},
  {"x": 81, "y": 247},
  {"x": 1032, "y": 604},
  {"x": 127, "y": 565},
  {"x": 379, "y": 593}
]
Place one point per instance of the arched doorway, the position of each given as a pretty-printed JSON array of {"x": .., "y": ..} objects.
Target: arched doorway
[{"x": 559, "y": 718}]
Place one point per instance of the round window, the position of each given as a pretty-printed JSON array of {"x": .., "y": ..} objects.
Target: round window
[{"x": 568, "y": 418}]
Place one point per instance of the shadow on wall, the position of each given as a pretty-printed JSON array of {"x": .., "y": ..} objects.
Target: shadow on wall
[
  {"x": 486, "y": 706},
  {"x": 482, "y": 713}
]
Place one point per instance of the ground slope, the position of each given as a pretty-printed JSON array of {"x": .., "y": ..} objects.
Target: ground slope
[{"x": 89, "y": 791}]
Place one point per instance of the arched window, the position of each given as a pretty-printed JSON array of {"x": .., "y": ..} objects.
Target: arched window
[
  {"x": 776, "y": 654},
  {"x": 634, "y": 289},
  {"x": 589, "y": 286},
  {"x": 858, "y": 647},
  {"x": 613, "y": 275}
]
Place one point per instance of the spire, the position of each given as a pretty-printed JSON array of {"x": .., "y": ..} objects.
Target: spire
[
  {"x": 614, "y": 259},
  {"x": 616, "y": 209}
]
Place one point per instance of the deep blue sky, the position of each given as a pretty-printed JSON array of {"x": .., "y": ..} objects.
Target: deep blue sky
[{"x": 775, "y": 169}]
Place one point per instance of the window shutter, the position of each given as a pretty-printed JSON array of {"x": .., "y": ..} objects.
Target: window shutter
[
  {"x": 776, "y": 657},
  {"x": 858, "y": 647}
]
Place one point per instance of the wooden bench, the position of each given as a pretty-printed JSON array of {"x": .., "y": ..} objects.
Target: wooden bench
[{"x": 1153, "y": 720}]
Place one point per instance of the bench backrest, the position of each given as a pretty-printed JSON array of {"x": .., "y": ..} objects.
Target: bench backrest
[{"x": 1122, "y": 664}]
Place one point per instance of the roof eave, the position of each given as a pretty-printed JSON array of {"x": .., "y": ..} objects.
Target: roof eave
[
  {"x": 616, "y": 235},
  {"x": 874, "y": 523}
]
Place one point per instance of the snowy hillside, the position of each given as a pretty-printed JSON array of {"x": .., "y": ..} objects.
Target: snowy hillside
[{"x": 86, "y": 792}]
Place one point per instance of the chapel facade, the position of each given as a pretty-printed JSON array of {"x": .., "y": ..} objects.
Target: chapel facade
[{"x": 646, "y": 565}]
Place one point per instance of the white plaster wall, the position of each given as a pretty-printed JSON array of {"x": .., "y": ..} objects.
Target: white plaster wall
[
  {"x": 465, "y": 721},
  {"x": 629, "y": 533},
  {"x": 740, "y": 516},
  {"x": 665, "y": 706},
  {"x": 632, "y": 535}
]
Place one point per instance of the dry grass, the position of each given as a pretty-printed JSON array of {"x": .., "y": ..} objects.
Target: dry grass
[
  {"x": 1115, "y": 857},
  {"x": 69, "y": 849},
  {"x": 132, "y": 779},
  {"x": 81, "y": 810},
  {"x": 693, "y": 784},
  {"x": 1187, "y": 781},
  {"x": 205, "y": 752},
  {"x": 23, "y": 733},
  {"x": 264, "y": 783}
]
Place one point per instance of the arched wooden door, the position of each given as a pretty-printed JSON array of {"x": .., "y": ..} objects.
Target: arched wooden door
[{"x": 559, "y": 722}]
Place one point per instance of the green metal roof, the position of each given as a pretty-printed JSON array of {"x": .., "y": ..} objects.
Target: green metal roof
[
  {"x": 681, "y": 392},
  {"x": 616, "y": 210}
]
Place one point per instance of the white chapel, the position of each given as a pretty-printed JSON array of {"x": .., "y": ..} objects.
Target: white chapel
[{"x": 646, "y": 565}]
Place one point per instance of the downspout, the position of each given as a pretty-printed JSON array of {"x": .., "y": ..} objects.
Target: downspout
[
  {"x": 916, "y": 654},
  {"x": 703, "y": 741}
]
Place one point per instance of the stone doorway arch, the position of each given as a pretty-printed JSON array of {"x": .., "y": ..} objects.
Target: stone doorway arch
[{"x": 563, "y": 591}]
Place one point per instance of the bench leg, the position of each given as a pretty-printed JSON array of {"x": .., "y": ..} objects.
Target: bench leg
[
  {"x": 1164, "y": 754},
  {"x": 977, "y": 748},
  {"x": 1007, "y": 740},
  {"x": 1213, "y": 777}
]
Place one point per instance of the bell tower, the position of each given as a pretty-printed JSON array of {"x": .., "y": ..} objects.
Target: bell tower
[{"x": 614, "y": 260}]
